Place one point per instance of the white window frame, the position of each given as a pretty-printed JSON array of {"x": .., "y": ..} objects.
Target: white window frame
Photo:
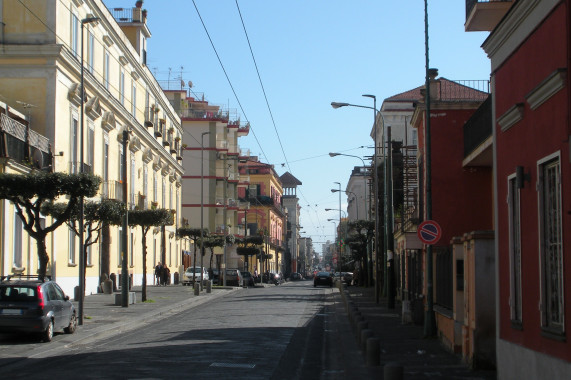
[
  {"x": 72, "y": 249},
  {"x": 18, "y": 246},
  {"x": 75, "y": 30},
  {"x": 122, "y": 86},
  {"x": 74, "y": 143},
  {"x": 90, "y": 51},
  {"x": 514, "y": 219},
  {"x": 134, "y": 99},
  {"x": 155, "y": 187},
  {"x": 121, "y": 152},
  {"x": 145, "y": 181},
  {"x": 106, "y": 68},
  {"x": 547, "y": 315},
  {"x": 105, "y": 158},
  {"x": 91, "y": 145}
]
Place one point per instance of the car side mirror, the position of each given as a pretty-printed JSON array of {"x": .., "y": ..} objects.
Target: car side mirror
[{"x": 66, "y": 298}]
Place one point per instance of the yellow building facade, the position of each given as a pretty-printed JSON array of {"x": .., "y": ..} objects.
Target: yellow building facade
[{"x": 40, "y": 66}]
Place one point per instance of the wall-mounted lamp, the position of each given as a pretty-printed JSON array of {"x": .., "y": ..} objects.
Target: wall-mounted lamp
[{"x": 521, "y": 177}]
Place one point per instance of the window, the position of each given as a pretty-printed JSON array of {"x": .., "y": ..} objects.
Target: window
[
  {"x": 145, "y": 181},
  {"x": 90, "y": 51},
  {"x": 164, "y": 194},
  {"x": 72, "y": 246},
  {"x": 131, "y": 250},
  {"x": 122, "y": 87},
  {"x": 121, "y": 159},
  {"x": 120, "y": 247},
  {"x": 551, "y": 247},
  {"x": 132, "y": 181},
  {"x": 74, "y": 138},
  {"x": 17, "y": 253},
  {"x": 134, "y": 99},
  {"x": 514, "y": 250},
  {"x": 170, "y": 198},
  {"x": 88, "y": 255},
  {"x": 106, "y": 78},
  {"x": 90, "y": 147},
  {"x": 155, "y": 187},
  {"x": 105, "y": 168},
  {"x": 74, "y": 34}
]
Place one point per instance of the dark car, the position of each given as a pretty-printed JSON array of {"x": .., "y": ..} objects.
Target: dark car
[
  {"x": 248, "y": 279},
  {"x": 323, "y": 278},
  {"x": 295, "y": 276},
  {"x": 30, "y": 305},
  {"x": 233, "y": 278}
]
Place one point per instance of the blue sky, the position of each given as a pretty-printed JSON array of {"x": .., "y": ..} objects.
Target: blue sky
[{"x": 309, "y": 53}]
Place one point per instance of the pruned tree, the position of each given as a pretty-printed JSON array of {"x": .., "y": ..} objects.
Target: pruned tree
[
  {"x": 212, "y": 242},
  {"x": 30, "y": 192},
  {"x": 249, "y": 246},
  {"x": 147, "y": 219},
  {"x": 194, "y": 235},
  {"x": 95, "y": 216},
  {"x": 359, "y": 238}
]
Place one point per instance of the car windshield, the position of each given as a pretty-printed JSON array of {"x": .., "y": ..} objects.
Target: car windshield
[
  {"x": 17, "y": 294},
  {"x": 195, "y": 270},
  {"x": 323, "y": 274}
]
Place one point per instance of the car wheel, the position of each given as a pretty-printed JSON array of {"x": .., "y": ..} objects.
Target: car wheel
[
  {"x": 70, "y": 329},
  {"x": 48, "y": 333}
]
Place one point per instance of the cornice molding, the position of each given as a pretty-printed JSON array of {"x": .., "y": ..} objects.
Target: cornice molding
[
  {"x": 547, "y": 88},
  {"x": 511, "y": 117}
]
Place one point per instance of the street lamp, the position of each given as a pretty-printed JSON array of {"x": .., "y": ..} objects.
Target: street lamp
[
  {"x": 81, "y": 293},
  {"x": 334, "y": 154},
  {"x": 340, "y": 246},
  {"x": 376, "y": 187},
  {"x": 356, "y": 203},
  {"x": 202, "y": 207}
]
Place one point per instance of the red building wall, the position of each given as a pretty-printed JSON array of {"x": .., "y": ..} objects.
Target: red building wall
[
  {"x": 540, "y": 133},
  {"x": 461, "y": 198}
]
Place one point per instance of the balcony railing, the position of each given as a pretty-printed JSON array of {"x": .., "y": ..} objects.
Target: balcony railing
[
  {"x": 112, "y": 190},
  {"x": 23, "y": 144},
  {"x": 460, "y": 90},
  {"x": 203, "y": 114},
  {"x": 127, "y": 14},
  {"x": 479, "y": 127}
]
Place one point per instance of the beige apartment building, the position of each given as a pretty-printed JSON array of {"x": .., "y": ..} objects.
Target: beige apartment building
[
  {"x": 211, "y": 156},
  {"x": 40, "y": 67}
]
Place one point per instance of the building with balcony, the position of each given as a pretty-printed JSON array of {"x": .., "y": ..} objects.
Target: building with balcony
[
  {"x": 529, "y": 50},
  {"x": 292, "y": 209},
  {"x": 266, "y": 214},
  {"x": 210, "y": 158},
  {"x": 41, "y": 66}
]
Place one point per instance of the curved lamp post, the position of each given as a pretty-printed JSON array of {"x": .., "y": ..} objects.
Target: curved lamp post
[
  {"x": 368, "y": 213},
  {"x": 376, "y": 189}
]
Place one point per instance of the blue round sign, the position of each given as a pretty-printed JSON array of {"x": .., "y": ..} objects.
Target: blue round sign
[{"x": 429, "y": 232}]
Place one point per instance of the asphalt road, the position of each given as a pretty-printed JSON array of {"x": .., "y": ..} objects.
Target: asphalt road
[{"x": 289, "y": 331}]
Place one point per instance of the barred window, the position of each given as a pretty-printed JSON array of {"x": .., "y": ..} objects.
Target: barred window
[{"x": 551, "y": 248}]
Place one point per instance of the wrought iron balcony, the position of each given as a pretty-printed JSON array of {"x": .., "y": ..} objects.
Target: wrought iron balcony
[{"x": 24, "y": 145}]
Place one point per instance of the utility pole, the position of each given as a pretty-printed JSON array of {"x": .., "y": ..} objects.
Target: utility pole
[{"x": 124, "y": 232}]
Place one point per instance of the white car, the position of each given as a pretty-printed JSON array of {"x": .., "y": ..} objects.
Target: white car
[{"x": 193, "y": 273}]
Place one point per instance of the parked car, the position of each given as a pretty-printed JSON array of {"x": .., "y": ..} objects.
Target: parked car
[
  {"x": 233, "y": 277},
  {"x": 31, "y": 305},
  {"x": 323, "y": 278},
  {"x": 347, "y": 277},
  {"x": 214, "y": 275},
  {"x": 295, "y": 276},
  {"x": 194, "y": 273},
  {"x": 248, "y": 279}
]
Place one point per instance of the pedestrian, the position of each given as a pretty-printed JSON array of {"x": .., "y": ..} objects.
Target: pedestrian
[{"x": 158, "y": 270}]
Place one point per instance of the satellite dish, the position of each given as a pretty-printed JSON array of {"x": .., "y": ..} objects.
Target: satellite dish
[{"x": 189, "y": 84}]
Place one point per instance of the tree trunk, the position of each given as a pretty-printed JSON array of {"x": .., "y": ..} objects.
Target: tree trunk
[
  {"x": 144, "y": 288},
  {"x": 105, "y": 243},
  {"x": 43, "y": 256}
]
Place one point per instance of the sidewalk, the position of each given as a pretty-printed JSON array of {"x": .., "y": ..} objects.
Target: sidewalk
[
  {"x": 404, "y": 345},
  {"x": 103, "y": 318}
]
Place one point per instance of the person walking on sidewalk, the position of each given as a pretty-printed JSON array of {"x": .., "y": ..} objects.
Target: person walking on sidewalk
[{"x": 158, "y": 273}]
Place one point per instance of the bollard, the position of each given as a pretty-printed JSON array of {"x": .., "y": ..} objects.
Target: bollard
[
  {"x": 196, "y": 288},
  {"x": 362, "y": 325},
  {"x": 393, "y": 371},
  {"x": 209, "y": 286},
  {"x": 373, "y": 351},
  {"x": 365, "y": 334}
]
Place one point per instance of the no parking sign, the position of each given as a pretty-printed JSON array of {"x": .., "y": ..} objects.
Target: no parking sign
[{"x": 429, "y": 232}]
